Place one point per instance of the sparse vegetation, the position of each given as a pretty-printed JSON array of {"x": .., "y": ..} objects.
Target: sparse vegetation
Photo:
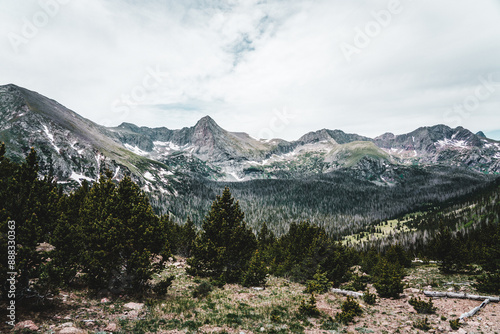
[
  {"x": 455, "y": 324},
  {"x": 349, "y": 310},
  {"x": 421, "y": 306}
]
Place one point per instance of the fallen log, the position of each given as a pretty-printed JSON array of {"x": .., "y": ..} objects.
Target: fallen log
[
  {"x": 347, "y": 293},
  {"x": 474, "y": 310},
  {"x": 460, "y": 295}
]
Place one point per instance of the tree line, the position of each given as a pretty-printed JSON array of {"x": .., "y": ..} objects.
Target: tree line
[{"x": 105, "y": 235}]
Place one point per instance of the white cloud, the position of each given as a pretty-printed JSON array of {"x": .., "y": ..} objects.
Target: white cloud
[{"x": 241, "y": 61}]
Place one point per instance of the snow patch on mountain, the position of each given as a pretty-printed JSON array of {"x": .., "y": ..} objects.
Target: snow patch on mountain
[
  {"x": 79, "y": 177},
  {"x": 149, "y": 176},
  {"x": 452, "y": 142},
  {"x": 136, "y": 150},
  {"x": 51, "y": 137}
]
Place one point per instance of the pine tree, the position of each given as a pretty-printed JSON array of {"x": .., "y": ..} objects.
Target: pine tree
[
  {"x": 31, "y": 203},
  {"x": 187, "y": 235},
  {"x": 388, "y": 279},
  {"x": 225, "y": 245},
  {"x": 257, "y": 271},
  {"x": 444, "y": 249},
  {"x": 120, "y": 235}
]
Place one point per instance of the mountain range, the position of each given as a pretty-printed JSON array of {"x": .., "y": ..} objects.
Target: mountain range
[{"x": 191, "y": 164}]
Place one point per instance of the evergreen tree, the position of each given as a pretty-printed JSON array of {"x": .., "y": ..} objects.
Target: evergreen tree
[
  {"x": 31, "y": 203},
  {"x": 388, "y": 279},
  {"x": 187, "y": 235},
  {"x": 257, "y": 271},
  {"x": 119, "y": 235},
  {"x": 444, "y": 249},
  {"x": 225, "y": 245}
]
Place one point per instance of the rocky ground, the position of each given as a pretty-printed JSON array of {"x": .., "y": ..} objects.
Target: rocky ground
[{"x": 235, "y": 309}]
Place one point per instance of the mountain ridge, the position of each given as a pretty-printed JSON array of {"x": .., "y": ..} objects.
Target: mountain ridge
[{"x": 182, "y": 169}]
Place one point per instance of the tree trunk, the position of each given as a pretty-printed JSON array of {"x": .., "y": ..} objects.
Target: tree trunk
[
  {"x": 475, "y": 310},
  {"x": 460, "y": 295},
  {"x": 347, "y": 293}
]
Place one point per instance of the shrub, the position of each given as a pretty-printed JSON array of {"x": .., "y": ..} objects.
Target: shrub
[
  {"x": 309, "y": 309},
  {"x": 278, "y": 314},
  {"x": 421, "y": 306},
  {"x": 329, "y": 324},
  {"x": 202, "y": 290},
  {"x": 350, "y": 309},
  {"x": 422, "y": 324},
  {"x": 489, "y": 283},
  {"x": 161, "y": 287},
  {"x": 319, "y": 283},
  {"x": 369, "y": 298},
  {"x": 358, "y": 284},
  {"x": 455, "y": 324}
]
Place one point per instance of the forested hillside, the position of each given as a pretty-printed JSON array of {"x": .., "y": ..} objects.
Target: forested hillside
[{"x": 105, "y": 238}]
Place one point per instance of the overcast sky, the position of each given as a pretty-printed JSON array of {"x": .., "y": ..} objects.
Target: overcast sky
[{"x": 271, "y": 68}]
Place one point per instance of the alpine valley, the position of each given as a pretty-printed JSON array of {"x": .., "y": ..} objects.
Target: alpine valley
[{"x": 338, "y": 180}]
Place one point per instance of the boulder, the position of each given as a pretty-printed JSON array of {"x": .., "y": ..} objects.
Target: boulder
[{"x": 28, "y": 324}]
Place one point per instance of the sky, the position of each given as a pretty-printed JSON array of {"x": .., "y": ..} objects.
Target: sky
[{"x": 271, "y": 68}]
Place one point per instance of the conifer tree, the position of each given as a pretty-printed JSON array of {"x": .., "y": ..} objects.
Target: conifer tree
[
  {"x": 388, "y": 279},
  {"x": 187, "y": 235},
  {"x": 257, "y": 271},
  {"x": 225, "y": 245},
  {"x": 31, "y": 203},
  {"x": 119, "y": 236}
]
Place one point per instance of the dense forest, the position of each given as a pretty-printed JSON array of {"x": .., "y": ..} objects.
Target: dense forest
[
  {"x": 106, "y": 235},
  {"x": 343, "y": 202}
]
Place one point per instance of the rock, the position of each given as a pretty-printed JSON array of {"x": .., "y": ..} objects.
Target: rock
[
  {"x": 104, "y": 301},
  {"x": 71, "y": 330},
  {"x": 111, "y": 327},
  {"x": 462, "y": 331},
  {"x": 67, "y": 324},
  {"x": 28, "y": 324},
  {"x": 134, "y": 306},
  {"x": 262, "y": 329}
]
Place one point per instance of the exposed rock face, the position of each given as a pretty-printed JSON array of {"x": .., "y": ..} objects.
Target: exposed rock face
[{"x": 162, "y": 160}]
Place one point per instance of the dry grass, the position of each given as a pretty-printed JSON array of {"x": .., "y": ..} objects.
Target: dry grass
[{"x": 235, "y": 309}]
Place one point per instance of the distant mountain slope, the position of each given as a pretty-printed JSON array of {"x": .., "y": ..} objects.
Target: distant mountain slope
[
  {"x": 75, "y": 148},
  {"x": 182, "y": 170}
]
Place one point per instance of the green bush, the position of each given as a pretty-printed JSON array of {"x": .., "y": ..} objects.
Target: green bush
[
  {"x": 421, "y": 306},
  {"x": 278, "y": 314},
  {"x": 369, "y": 298},
  {"x": 488, "y": 283},
  {"x": 309, "y": 309},
  {"x": 319, "y": 284},
  {"x": 202, "y": 290},
  {"x": 422, "y": 324},
  {"x": 349, "y": 309},
  {"x": 161, "y": 287},
  {"x": 329, "y": 324},
  {"x": 357, "y": 284},
  {"x": 455, "y": 324}
]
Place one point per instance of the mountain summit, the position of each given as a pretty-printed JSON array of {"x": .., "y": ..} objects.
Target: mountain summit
[{"x": 181, "y": 169}]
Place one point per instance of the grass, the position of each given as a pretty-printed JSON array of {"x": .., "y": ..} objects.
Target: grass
[
  {"x": 386, "y": 228},
  {"x": 235, "y": 309}
]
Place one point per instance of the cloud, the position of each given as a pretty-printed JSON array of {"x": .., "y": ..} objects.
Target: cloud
[{"x": 243, "y": 62}]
